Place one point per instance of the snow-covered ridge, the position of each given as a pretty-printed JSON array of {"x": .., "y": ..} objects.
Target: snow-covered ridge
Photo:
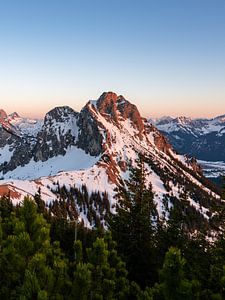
[
  {"x": 201, "y": 138},
  {"x": 97, "y": 147},
  {"x": 28, "y": 127},
  {"x": 20, "y": 126},
  {"x": 196, "y": 126}
]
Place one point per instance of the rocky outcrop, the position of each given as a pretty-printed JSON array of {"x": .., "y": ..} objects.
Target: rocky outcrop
[
  {"x": 162, "y": 144},
  {"x": 159, "y": 140},
  {"x": 3, "y": 115},
  {"x": 89, "y": 138},
  {"x": 130, "y": 111},
  {"x": 63, "y": 128},
  {"x": 192, "y": 162},
  {"x": 107, "y": 106},
  {"x": 59, "y": 114},
  {"x": 5, "y": 138},
  {"x": 57, "y": 134},
  {"x": 115, "y": 107},
  {"x": 112, "y": 129},
  {"x": 22, "y": 153},
  {"x": 14, "y": 115}
]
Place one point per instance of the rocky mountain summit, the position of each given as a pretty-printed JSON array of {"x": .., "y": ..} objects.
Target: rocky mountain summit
[{"x": 97, "y": 147}]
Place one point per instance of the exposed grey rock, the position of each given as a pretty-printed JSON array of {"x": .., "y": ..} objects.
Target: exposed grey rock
[
  {"x": 89, "y": 137},
  {"x": 57, "y": 134}
]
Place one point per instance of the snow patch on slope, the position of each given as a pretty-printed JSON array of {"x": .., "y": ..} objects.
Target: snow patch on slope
[
  {"x": 74, "y": 159},
  {"x": 28, "y": 127},
  {"x": 5, "y": 154}
]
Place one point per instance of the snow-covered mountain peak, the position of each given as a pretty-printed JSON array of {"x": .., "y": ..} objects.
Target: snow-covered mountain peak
[
  {"x": 202, "y": 138},
  {"x": 60, "y": 114},
  {"x": 18, "y": 126},
  {"x": 97, "y": 147},
  {"x": 162, "y": 120},
  {"x": 117, "y": 109},
  {"x": 107, "y": 105},
  {"x": 14, "y": 115},
  {"x": 219, "y": 119},
  {"x": 183, "y": 120}
]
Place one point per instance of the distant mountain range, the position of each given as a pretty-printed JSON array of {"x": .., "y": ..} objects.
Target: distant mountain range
[
  {"x": 200, "y": 138},
  {"x": 97, "y": 147}
]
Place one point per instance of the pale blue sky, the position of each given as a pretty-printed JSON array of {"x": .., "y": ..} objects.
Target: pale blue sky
[{"x": 166, "y": 56}]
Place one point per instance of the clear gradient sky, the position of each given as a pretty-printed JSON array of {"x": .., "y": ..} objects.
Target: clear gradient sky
[{"x": 166, "y": 56}]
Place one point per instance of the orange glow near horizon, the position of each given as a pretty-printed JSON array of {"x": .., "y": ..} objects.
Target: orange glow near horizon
[
  {"x": 151, "y": 102},
  {"x": 147, "y": 109}
]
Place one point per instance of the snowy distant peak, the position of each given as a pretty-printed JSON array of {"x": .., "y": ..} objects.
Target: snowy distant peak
[
  {"x": 202, "y": 138},
  {"x": 18, "y": 126},
  {"x": 198, "y": 126},
  {"x": 8, "y": 118},
  {"x": 14, "y": 115},
  {"x": 183, "y": 120},
  {"x": 162, "y": 120},
  {"x": 6, "y": 125},
  {"x": 219, "y": 119},
  {"x": 3, "y": 115}
]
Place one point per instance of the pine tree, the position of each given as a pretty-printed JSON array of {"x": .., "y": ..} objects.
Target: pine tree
[
  {"x": 81, "y": 287},
  {"x": 217, "y": 267},
  {"x": 30, "y": 266},
  {"x": 102, "y": 274},
  {"x": 173, "y": 283},
  {"x": 134, "y": 225},
  {"x": 103, "y": 284},
  {"x": 6, "y": 206},
  {"x": 115, "y": 262}
]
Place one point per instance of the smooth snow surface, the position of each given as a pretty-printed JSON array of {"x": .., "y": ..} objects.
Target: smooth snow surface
[
  {"x": 74, "y": 159},
  {"x": 6, "y": 154}
]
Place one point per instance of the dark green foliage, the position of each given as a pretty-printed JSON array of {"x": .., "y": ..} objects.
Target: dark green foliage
[
  {"x": 154, "y": 237},
  {"x": 173, "y": 284},
  {"x": 32, "y": 266},
  {"x": 156, "y": 259},
  {"x": 29, "y": 265},
  {"x": 6, "y": 207},
  {"x": 102, "y": 275},
  {"x": 134, "y": 226}
]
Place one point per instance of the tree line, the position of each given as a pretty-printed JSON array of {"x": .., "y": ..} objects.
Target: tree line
[{"x": 46, "y": 254}]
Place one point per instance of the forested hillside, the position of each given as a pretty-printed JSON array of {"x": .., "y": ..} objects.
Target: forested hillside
[{"x": 48, "y": 253}]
